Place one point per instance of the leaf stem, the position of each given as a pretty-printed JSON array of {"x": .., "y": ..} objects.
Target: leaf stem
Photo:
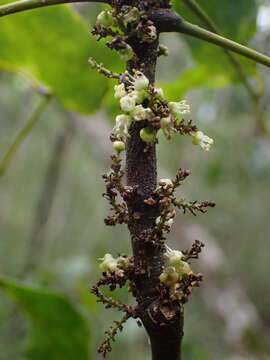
[
  {"x": 23, "y": 133},
  {"x": 190, "y": 29},
  {"x": 22, "y": 5}
]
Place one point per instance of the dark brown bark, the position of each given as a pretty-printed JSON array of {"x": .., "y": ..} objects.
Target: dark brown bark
[{"x": 163, "y": 323}]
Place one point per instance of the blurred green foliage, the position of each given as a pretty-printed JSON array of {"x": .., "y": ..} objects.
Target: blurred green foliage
[
  {"x": 51, "y": 316},
  {"x": 50, "y": 46}
]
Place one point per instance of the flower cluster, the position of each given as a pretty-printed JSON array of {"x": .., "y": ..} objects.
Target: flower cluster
[
  {"x": 117, "y": 266},
  {"x": 141, "y": 101},
  {"x": 176, "y": 269},
  {"x": 131, "y": 97},
  {"x": 177, "y": 276}
]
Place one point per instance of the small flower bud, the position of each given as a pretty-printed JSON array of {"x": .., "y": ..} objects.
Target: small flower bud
[
  {"x": 169, "y": 276},
  {"x": 119, "y": 146},
  {"x": 163, "y": 277},
  {"x": 127, "y": 53},
  {"x": 108, "y": 263},
  {"x": 165, "y": 122},
  {"x": 148, "y": 135},
  {"x": 119, "y": 91},
  {"x": 163, "y": 50},
  {"x": 205, "y": 142},
  {"x": 106, "y": 19}
]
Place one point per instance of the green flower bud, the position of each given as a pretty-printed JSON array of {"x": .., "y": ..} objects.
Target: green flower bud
[
  {"x": 106, "y": 19},
  {"x": 108, "y": 263},
  {"x": 163, "y": 50},
  {"x": 119, "y": 146},
  {"x": 148, "y": 135},
  {"x": 127, "y": 53},
  {"x": 165, "y": 122}
]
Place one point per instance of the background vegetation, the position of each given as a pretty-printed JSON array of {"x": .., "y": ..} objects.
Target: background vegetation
[{"x": 51, "y": 214}]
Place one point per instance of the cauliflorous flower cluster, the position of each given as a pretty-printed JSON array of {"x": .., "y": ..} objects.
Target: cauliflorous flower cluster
[
  {"x": 175, "y": 271},
  {"x": 139, "y": 101},
  {"x": 131, "y": 98},
  {"x": 110, "y": 264}
]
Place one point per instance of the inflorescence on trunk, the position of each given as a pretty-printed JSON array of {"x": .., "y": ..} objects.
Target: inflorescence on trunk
[{"x": 160, "y": 279}]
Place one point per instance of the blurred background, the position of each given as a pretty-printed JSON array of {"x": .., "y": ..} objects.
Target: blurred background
[{"x": 52, "y": 210}]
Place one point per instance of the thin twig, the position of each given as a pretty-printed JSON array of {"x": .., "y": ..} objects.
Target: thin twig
[
  {"x": 23, "y": 133},
  {"x": 23, "y": 5}
]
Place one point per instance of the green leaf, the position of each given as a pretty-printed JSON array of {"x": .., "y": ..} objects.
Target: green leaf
[
  {"x": 52, "y": 45},
  {"x": 58, "y": 330},
  {"x": 235, "y": 19},
  {"x": 193, "y": 77}
]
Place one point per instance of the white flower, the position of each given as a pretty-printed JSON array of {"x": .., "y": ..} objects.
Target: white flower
[
  {"x": 119, "y": 91},
  {"x": 122, "y": 123},
  {"x": 128, "y": 102},
  {"x": 108, "y": 263},
  {"x": 140, "y": 81},
  {"x": 166, "y": 125},
  {"x": 205, "y": 142},
  {"x": 141, "y": 113},
  {"x": 173, "y": 257},
  {"x": 179, "y": 108}
]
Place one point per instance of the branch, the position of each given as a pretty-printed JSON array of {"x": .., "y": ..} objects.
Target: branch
[
  {"x": 22, "y": 5},
  {"x": 23, "y": 133},
  {"x": 169, "y": 21}
]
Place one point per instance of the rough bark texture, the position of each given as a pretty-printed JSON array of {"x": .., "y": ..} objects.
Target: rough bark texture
[{"x": 163, "y": 323}]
